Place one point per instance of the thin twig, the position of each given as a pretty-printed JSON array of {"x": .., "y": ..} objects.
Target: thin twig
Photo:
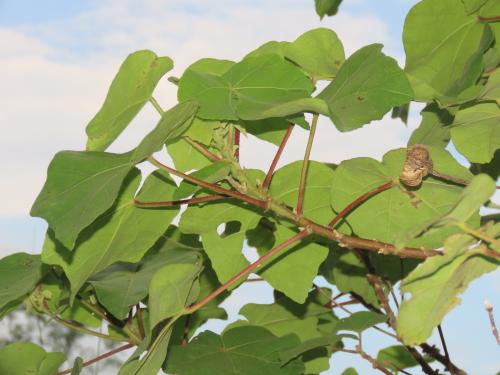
[
  {"x": 140, "y": 321},
  {"x": 488, "y": 19},
  {"x": 237, "y": 144},
  {"x": 99, "y": 358},
  {"x": 179, "y": 202},
  {"x": 185, "y": 334},
  {"x": 358, "y": 201},
  {"x": 445, "y": 348},
  {"x": 272, "y": 167},
  {"x": 434, "y": 353},
  {"x": 494, "y": 330},
  {"x": 246, "y": 271},
  {"x": 305, "y": 165},
  {"x": 156, "y": 105},
  {"x": 216, "y": 188}
]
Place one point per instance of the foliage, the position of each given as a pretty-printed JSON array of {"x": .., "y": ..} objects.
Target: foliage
[{"x": 113, "y": 258}]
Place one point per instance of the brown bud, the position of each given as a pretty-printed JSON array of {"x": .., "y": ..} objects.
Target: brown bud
[
  {"x": 410, "y": 176},
  {"x": 418, "y": 164}
]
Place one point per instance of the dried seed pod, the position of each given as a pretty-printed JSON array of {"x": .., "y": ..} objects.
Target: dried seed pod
[
  {"x": 418, "y": 164},
  {"x": 410, "y": 176}
]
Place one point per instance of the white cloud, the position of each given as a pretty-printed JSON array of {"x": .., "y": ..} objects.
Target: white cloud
[{"x": 55, "y": 76}]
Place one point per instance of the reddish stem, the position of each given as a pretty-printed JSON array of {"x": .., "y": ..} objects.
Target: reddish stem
[
  {"x": 99, "y": 358},
  {"x": 179, "y": 202},
  {"x": 358, "y": 201},
  {"x": 488, "y": 19},
  {"x": 237, "y": 144},
  {"x": 246, "y": 271},
  {"x": 272, "y": 167},
  {"x": 216, "y": 188}
]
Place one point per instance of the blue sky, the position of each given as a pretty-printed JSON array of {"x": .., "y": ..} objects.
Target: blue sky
[{"x": 57, "y": 59}]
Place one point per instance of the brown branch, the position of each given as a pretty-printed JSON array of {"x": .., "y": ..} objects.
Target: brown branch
[
  {"x": 494, "y": 330},
  {"x": 272, "y": 167},
  {"x": 358, "y": 201},
  {"x": 434, "y": 353},
  {"x": 179, "y": 202},
  {"x": 99, "y": 358},
  {"x": 185, "y": 334},
  {"x": 216, "y": 188},
  {"x": 246, "y": 271},
  {"x": 445, "y": 348}
]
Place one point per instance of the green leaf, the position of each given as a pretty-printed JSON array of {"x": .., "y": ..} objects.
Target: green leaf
[
  {"x": 439, "y": 38},
  {"x": 294, "y": 107},
  {"x": 247, "y": 89},
  {"x": 212, "y": 173},
  {"x": 434, "y": 129},
  {"x": 473, "y": 5},
  {"x": 130, "y": 91},
  {"x": 435, "y": 286},
  {"x": 25, "y": 358},
  {"x": 124, "y": 284},
  {"x": 124, "y": 234},
  {"x": 344, "y": 269},
  {"x": 319, "y": 52},
  {"x": 395, "y": 210},
  {"x": 476, "y": 132},
  {"x": 80, "y": 186},
  {"x": 244, "y": 350},
  {"x": 211, "y": 66},
  {"x": 151, "y": 362},
  {"x": 396, "y": 357},
  {"x": 170, "y": 288},
  {"x": 349, "y": 371},
  {"x": 360, "y": 321},
  {"x": 293, "y": 270},
  {"x": 19, "y": 273},
  {"x": 272, "y": 47},
  {"x": 368, "y": 85},
  {"x": 327, "y": 7}
]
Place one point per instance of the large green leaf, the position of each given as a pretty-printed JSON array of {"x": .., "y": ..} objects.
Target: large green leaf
[
  {"x": 25, "y": 358},
  {"x": 172, "y": 288},
  {"x": 131, "y": 89},
  {"x": 368, "y": 85},
  {"x": 397, "y": 209},
  {"x": 360, "y": 321},
  {"x": 476, "y": 132},
  {"x": 124, "y": 284},
  {"x": 491, "y": 90},
  {"x": 247, "y": 89},
  {"x": 319, "y": 52},
  {"x": 19, "y": 273},
  {"x": 435, "y": 286},
  {"x": 439, "y": 39},
  {"x": 124, "y": 234},
  {"x": 245, "y": 350},
  {"x": 80, "y": 186}
]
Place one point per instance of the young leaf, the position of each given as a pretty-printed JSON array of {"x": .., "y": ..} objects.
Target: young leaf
[
  {"x": 368, "y": 85},
  {"x": 246, "y": 350},
  {"x": 247, "y": 89},
  {"x": 22, "y": 358},
  {"x": 476, "y": 132},
  {"x": 327, "y": 7},
  {"x": 19, "y": 273},
  {"x": 214, "y": 172},
  {"x": 439, "y": 38},
  {"x": 124, "y": 234},
  {"x": 131, "y": 89},
  {"x": 435, "y": 285},
  {"x": 319, "y": 52}
]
